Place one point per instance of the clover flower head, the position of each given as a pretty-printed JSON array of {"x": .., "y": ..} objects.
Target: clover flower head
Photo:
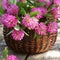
[
  {"x": 41, "y": 12},
  {"x": 12, "y": 57},
  {"x": 29, "y": 22},
  {"x": 5, "y": 4},
  {"x": 18, "y": 34},
  {"x": 9, "y": 20},
  {"x": 13, "y": 9},
  {"x": 41, "y": 29},
  {"x": 57, "y": 2},
  {"x": 52, "y": 27}
]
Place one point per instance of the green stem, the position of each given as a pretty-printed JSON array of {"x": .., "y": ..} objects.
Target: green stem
[{"x": 26, "y": 33}]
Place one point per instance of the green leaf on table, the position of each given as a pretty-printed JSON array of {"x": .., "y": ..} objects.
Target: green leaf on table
[
  {"x": 5, "y": 53},
  {"x": 33, "y": 13},
  {"x": 13, "y": 1}
]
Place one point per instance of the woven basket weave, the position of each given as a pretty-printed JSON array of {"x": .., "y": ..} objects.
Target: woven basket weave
[{"x": 29, "y": 45}]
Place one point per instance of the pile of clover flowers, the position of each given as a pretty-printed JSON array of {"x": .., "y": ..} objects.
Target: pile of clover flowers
[{"x": 16, "y": 15}]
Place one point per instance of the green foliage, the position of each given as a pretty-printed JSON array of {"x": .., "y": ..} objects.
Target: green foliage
[
  {"x": 1, "y": 11},
  {"x": 5, "y": 53},
  {"x": 17, "y": 27},
  {"x": 38, "y": 4},
  {"x": 49, "y": 17},
  {"x": 33, "y": 14},
  {"x": 53, "y": 5},
  {"x": 23, "y": 7},
  {"x": 31, "y": 2},
  {"x": 36, "y": 36},
  {"x": 31, "y": 7},
  {"x": 13, "y": 1},
  {"x": 21, "y": 4},
  {"x": 58, "y": 20},
  {"x": 23, "y": 12}
]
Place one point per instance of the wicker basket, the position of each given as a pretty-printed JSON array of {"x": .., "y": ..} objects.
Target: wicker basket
[{"x": 29, "y": 45}]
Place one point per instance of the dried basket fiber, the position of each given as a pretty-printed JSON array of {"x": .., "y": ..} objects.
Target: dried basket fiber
[{"x": 29, "y": 45}]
